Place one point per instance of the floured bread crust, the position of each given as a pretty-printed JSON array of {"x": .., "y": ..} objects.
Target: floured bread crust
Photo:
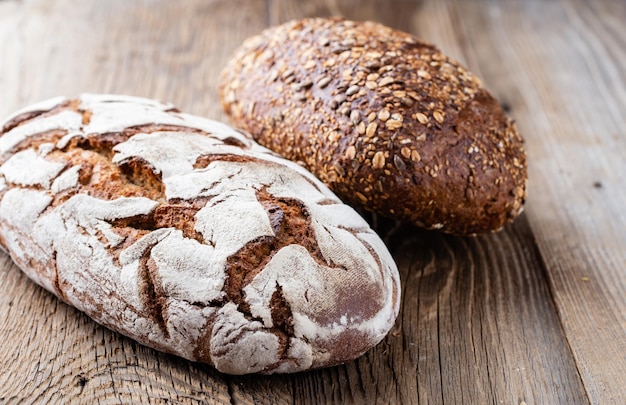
[{"x": 187, "y": 236}]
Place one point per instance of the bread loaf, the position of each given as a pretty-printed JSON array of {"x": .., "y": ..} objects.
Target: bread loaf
[
  {"x": 386, "y": 121},
  {"x": 187, "y": 236}
]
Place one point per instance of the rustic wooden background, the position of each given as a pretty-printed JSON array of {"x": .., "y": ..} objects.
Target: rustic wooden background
[{"x": 535, "y": 314}]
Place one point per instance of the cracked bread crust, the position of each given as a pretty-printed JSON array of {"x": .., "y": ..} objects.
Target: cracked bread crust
[
  {"x": 386, "y": 121},
  {"x": 186, "y": 235}
]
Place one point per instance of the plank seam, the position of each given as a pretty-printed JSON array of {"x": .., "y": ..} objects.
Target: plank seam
[{"x": 536, "y": 252}]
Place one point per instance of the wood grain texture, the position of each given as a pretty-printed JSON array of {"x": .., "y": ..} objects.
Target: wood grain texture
[
  {"x": 573, "y": 117},
  {"x": 535, "y": 314}
]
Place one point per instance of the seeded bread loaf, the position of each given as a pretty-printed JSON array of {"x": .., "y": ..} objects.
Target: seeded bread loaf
[
  {"x": 387, "y": 121},
  {"x": 187, "y": 236}
]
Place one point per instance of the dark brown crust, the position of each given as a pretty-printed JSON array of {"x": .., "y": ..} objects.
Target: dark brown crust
[{"x": 388, "y": 122}]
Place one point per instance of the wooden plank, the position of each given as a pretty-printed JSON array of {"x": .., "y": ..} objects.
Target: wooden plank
[
  {"x": 152, "y": 49},
  {"x": 567, "y": 90}
]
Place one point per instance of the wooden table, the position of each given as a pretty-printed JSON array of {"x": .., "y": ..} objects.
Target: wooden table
[{"x": 535, "y": 314}]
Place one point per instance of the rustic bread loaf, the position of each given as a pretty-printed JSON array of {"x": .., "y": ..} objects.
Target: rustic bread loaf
[
  {"x": 187, "y": 236},
  {"x": 388, "y": 122}
]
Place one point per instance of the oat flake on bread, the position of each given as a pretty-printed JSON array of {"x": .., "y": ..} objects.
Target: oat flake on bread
[
  {"x": 186, "y": 235},
  {"x": 388, "y": 122}
]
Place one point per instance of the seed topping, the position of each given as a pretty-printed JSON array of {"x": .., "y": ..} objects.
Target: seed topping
[
  {"x": 371, "y": 129},
  {"x": 323, "y": 82},
  {"x": 379, "y": 160},
  {"x": 423, "y": 119}
]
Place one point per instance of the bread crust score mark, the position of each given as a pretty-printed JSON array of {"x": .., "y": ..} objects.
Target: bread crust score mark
[
  {"x": 388, "y": 122},
  {"x": 187, "y": 236}
]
